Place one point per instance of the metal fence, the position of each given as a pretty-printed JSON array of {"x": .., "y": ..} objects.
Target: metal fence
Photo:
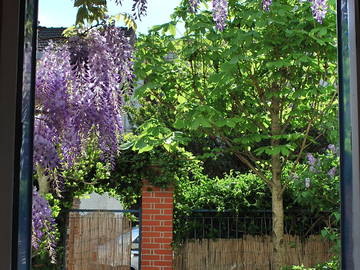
[
  {"x": 207, "y": 224},
  {"x": 103, "y": 240}
]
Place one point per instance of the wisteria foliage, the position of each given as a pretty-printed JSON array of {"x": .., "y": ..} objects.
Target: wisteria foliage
[
  {"x": 220, "y": 10},
  {"x": 319, "y": 8},
  {"x": 79, "y": 94}
]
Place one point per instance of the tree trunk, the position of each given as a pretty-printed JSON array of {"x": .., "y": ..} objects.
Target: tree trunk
[
  {"x": 43, "y": 181},
  {"x": 277, "y": 215},
  {"x": 276, "y": 189}
]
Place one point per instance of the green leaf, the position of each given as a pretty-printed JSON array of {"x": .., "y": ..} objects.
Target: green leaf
[
  {"x": 181, "y": 99},
  {"x": 127, "y": 145},
  {"x": 172, "y": 29},
  {"x": 81, "y": 15},
  {"x": 79, "y": 3}
]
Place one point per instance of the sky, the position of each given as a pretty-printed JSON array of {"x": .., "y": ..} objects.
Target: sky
[{"x": 56, "y": 13}]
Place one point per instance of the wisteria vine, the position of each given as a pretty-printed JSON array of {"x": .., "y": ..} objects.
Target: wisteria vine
[
  {"x": 43, "y": 226},
  {"x": 79, "y": 95},
  {"x": 79, "y": 90}
]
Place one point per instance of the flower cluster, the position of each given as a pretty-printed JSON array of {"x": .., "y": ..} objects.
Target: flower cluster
[
  {"x": 139, "y": 8},
  {"x": 194, "y": 4},
  {"x": 315, "y": 164},
  {"x": 79, "y": 91},
  {"x": 319, "y": 9},
  {"x": 318, "y": 180},
  {"x": 43, "y": 225},
  {"x": 266, "y": 5},
  {"x": 220, "y": 13}
]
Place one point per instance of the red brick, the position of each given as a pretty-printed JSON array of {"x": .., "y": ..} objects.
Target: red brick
[
  {"x": 165, "y": 246},
  {"x": 166, "y": 211},
  {"x": 147, "y": 251},
  {"x": 162, "y": 229},
  {"x": 150, "y": 223},
  {"x": 163, "y": 263},
  {"x": 145, "y": 206},
  {"x": 150, "y": 257},
  {"x": 163, "y": 206},
  {"x": 151, "y": 234},
  {"x": 150, "y": 246},
  {"x": 163, "y": 251},
  {"x": 163, "y": 217},
  {"x": 148, "y": 240},
  {"x": 151, "y": 200},
  {"x": 168, "y": 223},
  {"x": 166, "y": 257},
  {"x": 166, "y": 194},
  {"x": 163, "y": 240},
  {"x": 166, "y": 234},
  {"x": 166, "y": 200},
  {"x": 156, "y": 212},
  {"x": 146, "y": 263}
]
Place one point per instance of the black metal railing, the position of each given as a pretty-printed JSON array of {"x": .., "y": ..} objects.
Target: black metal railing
[{"x": 207, "y": 224}]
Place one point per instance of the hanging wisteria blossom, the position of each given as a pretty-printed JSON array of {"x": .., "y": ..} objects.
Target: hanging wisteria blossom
[
  {"x": 43, "y": 225},
  {"x": 266, "y": 5},
  {"x": 220, "y": 13},
  {"x": 139, "y": 8},
  {"x": 319, "y": 9},
  {"x": 194, "y": 5},
  {"x": 79, "y": 95}
]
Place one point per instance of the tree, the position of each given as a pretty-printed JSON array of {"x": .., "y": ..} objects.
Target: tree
[
  {"x": 264, "y": 88},
  {"x": 95, "y": 10}
]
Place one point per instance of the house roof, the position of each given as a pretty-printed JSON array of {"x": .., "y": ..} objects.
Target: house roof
[{"x": 47, "y": 34}]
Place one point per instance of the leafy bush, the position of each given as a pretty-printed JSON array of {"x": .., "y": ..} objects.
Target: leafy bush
[
  {"x": 333, "y": 264},
  {"x": 317, "y": 182}
]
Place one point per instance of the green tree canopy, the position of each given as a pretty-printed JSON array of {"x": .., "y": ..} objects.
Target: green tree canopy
[{"x": 264, "y": 88}]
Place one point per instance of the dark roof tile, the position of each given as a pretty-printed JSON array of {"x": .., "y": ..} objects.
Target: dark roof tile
[{"x": 47, "y": 34}]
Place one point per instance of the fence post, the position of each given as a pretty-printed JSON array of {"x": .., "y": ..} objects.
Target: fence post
[{"x": 157, "y": 227}]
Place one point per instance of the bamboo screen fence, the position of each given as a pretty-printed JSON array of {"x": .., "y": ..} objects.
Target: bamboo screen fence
[
  {"x": 248, "y": 253},
  {"x": 98, "y": 241}
]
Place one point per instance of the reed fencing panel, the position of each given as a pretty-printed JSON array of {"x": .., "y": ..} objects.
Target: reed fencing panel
[
  {"x": 98, "y": 241},
  {"x": 249, "y": 253}
]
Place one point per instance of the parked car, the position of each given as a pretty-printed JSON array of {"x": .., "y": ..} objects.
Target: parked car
[{"x": 135, "y": 241}]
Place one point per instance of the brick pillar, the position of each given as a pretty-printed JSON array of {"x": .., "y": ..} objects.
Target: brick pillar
[{"x": 157, "y": 228}]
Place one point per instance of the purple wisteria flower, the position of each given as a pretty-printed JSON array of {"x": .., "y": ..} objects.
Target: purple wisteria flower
[
  {"x": 311, "y": 159},
  {"x": 43, "y": 225},
  {"x": 319, "y": 9},
  {"x": 332, "y": 172},
  {"x": 266, "y": 5},
  {"x": 194, "y": 5},
  {"x": 79, "y": 90},
  {"x": 312, "y": 162},
  {"x": 332, "y": 148},
  {"x": 139, "y": 8},
  {"x": 220, "y": 13}
]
